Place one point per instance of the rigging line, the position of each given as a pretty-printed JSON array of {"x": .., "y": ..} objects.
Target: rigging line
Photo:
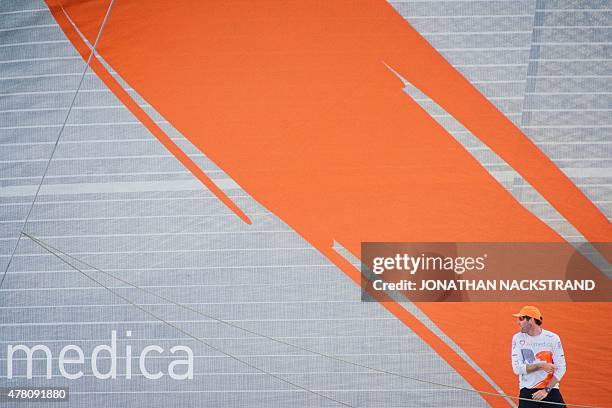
[
  {"x": 41, "y": 243},
  {"x": 42, "y": 180},
  {"x": 52, "y": 251}
]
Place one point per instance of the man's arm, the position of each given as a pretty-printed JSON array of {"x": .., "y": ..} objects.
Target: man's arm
[
  {"x": 541, "y": 394},
  {"x": 521, "y": 368},
  {"x": 515, "y": 357},
  {"x": 553, "y": 381},
  {"x": 559, "y": 360},
  {"x": 549, "y": 368}
]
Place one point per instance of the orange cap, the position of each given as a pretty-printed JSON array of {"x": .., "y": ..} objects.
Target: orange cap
[{"x": 530, "y": 311}]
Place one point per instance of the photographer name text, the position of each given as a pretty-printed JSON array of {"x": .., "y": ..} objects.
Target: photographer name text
[{"x": 486, "y": 285}]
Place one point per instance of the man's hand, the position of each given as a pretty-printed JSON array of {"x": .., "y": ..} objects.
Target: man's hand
[
  {"x": 548, "y": 367},
  {"x": 539, "y": 395}
]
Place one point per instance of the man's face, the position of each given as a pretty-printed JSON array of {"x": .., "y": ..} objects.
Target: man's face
[{"x": 525, "y": 323}]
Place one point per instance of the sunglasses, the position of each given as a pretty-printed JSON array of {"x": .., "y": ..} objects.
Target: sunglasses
[{"x": 521, "y": 318}]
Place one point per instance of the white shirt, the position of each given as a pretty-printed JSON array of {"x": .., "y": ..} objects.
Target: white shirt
[{"x": 545, "y": 347}]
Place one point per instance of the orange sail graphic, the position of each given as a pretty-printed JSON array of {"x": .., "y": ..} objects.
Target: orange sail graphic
[{"x": 294, "y": 101}]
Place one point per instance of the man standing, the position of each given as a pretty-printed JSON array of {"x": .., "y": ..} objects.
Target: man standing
[{"x": 538, "y": 360}]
